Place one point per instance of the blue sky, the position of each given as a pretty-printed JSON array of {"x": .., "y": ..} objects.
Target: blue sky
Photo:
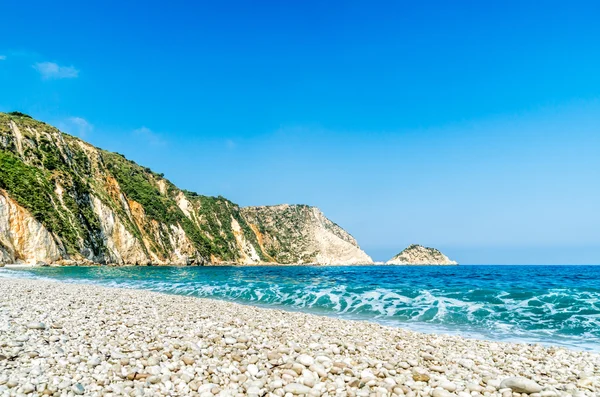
[{"x": 473, "y": 127}]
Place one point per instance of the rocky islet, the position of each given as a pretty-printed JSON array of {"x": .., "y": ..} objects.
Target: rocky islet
[{"x": 416, "y": 254}]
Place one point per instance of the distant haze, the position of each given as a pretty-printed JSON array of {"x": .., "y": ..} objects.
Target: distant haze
[{"x": 470, "y": 127}]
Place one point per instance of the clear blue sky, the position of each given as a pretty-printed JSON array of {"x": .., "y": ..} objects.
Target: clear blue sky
[{"x": 473, "y": 127}]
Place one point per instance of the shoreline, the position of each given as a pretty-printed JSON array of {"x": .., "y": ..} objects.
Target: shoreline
[
  {"x": 419, "y": 328},
  {"x": 102, "y": 339},
  {"x": 221, "y": 264}
]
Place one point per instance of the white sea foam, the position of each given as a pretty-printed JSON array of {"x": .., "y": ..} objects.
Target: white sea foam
[{"x": 552, "y": 316}]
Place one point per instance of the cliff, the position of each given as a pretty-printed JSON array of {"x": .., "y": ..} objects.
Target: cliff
[
  {"x": 302, "y": 234},
  {"x": 419, "y": 255},
  {"x": 63, "y": 200}
]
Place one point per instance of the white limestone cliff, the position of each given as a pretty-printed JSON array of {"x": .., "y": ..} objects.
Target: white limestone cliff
[
  {"x": 93, "y": 206},
  {"x": 22, "y": 238},
  {"x": 295, "y": 234}
]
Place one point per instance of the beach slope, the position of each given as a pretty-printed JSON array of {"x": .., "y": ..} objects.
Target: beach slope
[{"x": 68, "y": 339}]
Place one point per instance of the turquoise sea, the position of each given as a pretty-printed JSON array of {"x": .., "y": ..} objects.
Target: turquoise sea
[{"x": 557, "y": 305}]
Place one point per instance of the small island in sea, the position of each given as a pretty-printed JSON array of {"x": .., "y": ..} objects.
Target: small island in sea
[{"x": 416, "y": 254}]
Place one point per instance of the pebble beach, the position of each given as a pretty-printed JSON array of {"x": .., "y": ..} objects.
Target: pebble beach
[{"x": 59, "y": 339}]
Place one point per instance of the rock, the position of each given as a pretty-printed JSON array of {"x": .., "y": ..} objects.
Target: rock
[
  {"x": 441, "y": 393},
  {"x": 467, "y": 363},
  {"x": 276, "y": 384},
  {"x": 36, "y": 325},
  {"x": 207, "y": 387},
  {"x": 78, "y": 389},
  {"x": 28, "y": 388},
  {"x": 521, "y": 385},
  {"x": 187, "y": 378},
  {"x": 404, "y": 365},
  {"x": 153, "y": 361},
  {"x": 309, "y": 381},
  {"x": 474, "y": 387},
  {"x": 94, "y": 362},
  {"x": 390, "y": 381},
  {"x": 366, "y": 375},
  {"x": 154, "y": 379},
  {"x": 296, "y": 388},
  {"x": 236, "y": 357},
  {"x": 305, "y": 360},
  {"x": 188, "y": 360},
  {"x": 449, "y": 386},
  {"x": 74, "y": 360},
  {"x": 420, "y": 375},
  {"x": 252, "y": 369}
]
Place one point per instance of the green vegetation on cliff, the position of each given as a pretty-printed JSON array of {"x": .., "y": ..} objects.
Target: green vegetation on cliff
[
  {"x": 215, "y": 214},
  {"x": 33, "y": 188},
  {"x": 30, "y": 186},
  {"x": 37, "y": 161},
  {"x": 102, "y": 207},
  {"x": 19, "y": 114}
]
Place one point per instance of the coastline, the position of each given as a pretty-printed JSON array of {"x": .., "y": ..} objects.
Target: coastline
[
  {"x": 220, "y": 264},
  {"x": 91, "y": 340}
]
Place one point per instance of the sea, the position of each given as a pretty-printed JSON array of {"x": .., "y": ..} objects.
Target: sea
[{"x": 550, "y": 305}]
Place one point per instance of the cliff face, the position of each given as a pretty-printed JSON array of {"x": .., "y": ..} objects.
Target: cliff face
[
  {"x": 22, "y": 235},
  {"x": 302, "y": 234},
  {"x": 419, "y": 255},
  {"x": 63, "y": 200}
]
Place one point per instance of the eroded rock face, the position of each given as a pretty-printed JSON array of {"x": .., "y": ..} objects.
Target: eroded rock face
[
  {"x": 294, "y": 234},
  {"x": 22, "y": 238},
  {"x": 64, "y": 200},
  {"x": 419, "y": 255},
  {"x": 121, "y": 245}
]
